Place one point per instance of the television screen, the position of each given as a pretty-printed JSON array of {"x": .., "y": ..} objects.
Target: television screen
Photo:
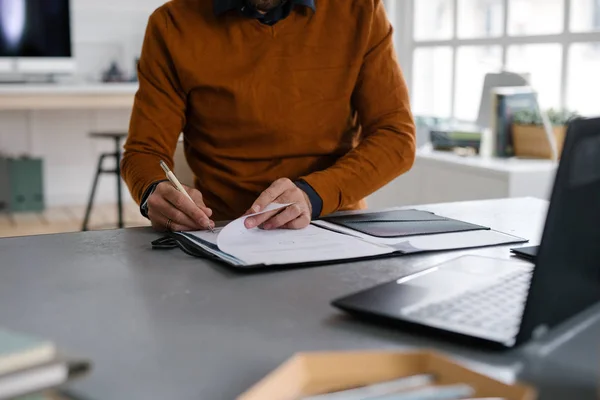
[{"x": 35, "y": 28}]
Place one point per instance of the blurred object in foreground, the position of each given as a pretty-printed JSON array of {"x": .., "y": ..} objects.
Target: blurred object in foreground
[
  {"x": 29, "y": 365},
  {"x": 323, "y": 374}
]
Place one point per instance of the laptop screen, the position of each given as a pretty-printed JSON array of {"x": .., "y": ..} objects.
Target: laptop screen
[{"x": 566, "y": 279}]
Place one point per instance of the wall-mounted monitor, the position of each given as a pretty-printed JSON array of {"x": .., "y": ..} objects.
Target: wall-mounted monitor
[{"x": 35, "y": 37}]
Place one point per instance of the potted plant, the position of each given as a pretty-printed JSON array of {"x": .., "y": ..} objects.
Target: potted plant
[{"x": 529, "y": 136}]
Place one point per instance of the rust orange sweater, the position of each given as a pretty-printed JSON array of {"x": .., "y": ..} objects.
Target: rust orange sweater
[{"x": 318, "y": 96}]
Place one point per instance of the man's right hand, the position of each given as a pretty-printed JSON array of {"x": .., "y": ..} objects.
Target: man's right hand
[{"x": 168, "y": 204}]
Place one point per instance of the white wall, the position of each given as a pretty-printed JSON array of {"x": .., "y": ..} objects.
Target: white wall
[
  {"x": 109, "y": 29},
  {"x": 103, "y": 31}
]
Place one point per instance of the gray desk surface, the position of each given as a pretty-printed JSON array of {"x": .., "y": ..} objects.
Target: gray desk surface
[{"x": 163, "y": 325}]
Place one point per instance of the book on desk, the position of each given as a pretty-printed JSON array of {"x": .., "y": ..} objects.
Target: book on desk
[
  {"x": 339, "y": 238},
  {"x": 31, "y": 365}
]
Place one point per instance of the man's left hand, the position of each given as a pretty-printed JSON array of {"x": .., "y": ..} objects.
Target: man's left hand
[{"x": 283, "y": 191}]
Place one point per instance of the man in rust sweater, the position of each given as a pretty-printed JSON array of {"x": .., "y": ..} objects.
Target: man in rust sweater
[{"x": 287, "y": 101}]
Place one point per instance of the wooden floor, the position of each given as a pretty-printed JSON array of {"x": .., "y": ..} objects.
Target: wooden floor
[{"x": 67, "y": 219}]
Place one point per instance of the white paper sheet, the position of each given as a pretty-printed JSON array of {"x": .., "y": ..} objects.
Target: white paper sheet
[
  {"x": 284, "y": 246},
  {"x": 207, "y": 236},
  {"x": 212, "y": 236}
]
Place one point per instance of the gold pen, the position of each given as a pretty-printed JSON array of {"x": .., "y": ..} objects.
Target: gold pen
[{"x": 175, "y": 182}]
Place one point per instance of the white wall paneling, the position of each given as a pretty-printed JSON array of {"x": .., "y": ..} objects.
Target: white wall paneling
[
  {"x": 70, "y": 156},
  {"x": 109, "y": 30}
]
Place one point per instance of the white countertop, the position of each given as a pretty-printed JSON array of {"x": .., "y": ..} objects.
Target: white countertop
[
  {"x": 501, "y": 165},
  {"x": 67, "y": 96},
  {"x": 67, "y": 88}
]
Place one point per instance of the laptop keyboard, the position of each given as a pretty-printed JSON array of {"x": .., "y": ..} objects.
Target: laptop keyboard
[{"x": 497, "y": 308}]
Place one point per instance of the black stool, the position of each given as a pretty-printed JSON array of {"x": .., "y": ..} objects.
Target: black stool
[{"x": 117, "y": 137}]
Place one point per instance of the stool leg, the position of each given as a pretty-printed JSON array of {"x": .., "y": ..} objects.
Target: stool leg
[
  {"x": 88, "y": 210},
  {"x": 119, "y": 183}
]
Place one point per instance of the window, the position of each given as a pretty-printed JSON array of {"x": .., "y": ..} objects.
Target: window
[
  {"x": 585, "y": 15},
  {"x": 448, "y": 46},
  {"x": 583, "y": 80},
  {"x": 486, "y": 18},
  {"x": 543, "y": 64},
  {"x": 432, "y": 81},
  {"x": 535, "y": 17},
  {"x": 433, "y": 19},
  {"x": 472, "y": 64}
]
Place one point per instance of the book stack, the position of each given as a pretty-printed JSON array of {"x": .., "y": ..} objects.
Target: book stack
[
  {"x": 457, "y": 138},
  {"x": 506, "y": 101},
  {"x": 33, "y": 366}
]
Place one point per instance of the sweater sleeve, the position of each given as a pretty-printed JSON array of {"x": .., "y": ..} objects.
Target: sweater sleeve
[
  {"x": 158, "y": 115},
  {"x": 388, "y": 144}
]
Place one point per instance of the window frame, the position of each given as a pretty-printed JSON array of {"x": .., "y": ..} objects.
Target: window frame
[{"x": 401, "y": 15}]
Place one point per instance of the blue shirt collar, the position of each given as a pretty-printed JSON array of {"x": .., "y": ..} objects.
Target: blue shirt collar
[{"x": 222, "y": 6}]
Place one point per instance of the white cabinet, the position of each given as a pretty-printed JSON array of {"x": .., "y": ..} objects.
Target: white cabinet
[{"x": 438, "y": 177}]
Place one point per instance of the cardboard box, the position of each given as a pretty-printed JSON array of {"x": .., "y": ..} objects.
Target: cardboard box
[{"x": 309, "y": 374}]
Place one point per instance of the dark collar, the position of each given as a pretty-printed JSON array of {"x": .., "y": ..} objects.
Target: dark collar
[{"x": 221, "y": 6}]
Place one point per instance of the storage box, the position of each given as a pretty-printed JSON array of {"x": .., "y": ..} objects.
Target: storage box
[
  {"x": 309, "y": 374},
  {"x": 530, "y": 141},
  {"x": 451, "y": 139},
  {"x": 4, "y": 185},
  {"x": 26, "y": 186}
]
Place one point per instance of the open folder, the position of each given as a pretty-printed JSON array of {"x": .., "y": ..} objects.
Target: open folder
[
  {"x": 401, "y": 223},
  {"x": 321, "y": 242}
]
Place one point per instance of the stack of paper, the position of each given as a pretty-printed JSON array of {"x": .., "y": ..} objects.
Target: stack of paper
[{"x": 30, "y": 365}]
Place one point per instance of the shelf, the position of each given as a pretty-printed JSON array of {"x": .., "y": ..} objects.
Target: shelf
[{"x": 67, "y": 96}]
